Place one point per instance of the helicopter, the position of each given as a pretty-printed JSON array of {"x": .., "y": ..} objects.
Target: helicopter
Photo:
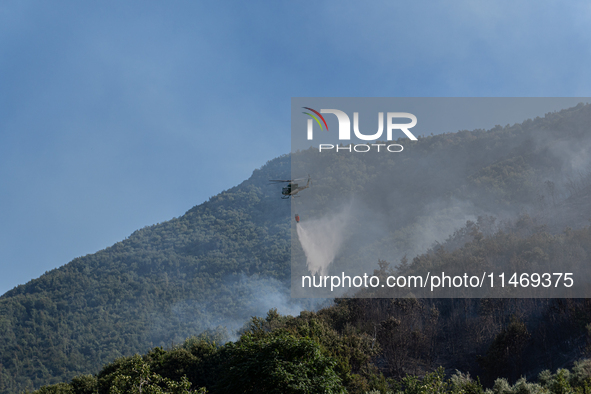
[{"x": 292, "y": 188}]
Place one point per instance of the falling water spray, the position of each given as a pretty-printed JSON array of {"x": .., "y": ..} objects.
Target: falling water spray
[{"x": 322, "y": 238}]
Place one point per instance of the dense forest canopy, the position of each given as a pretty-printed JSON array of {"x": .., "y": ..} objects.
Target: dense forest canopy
[{"x": 228, "y": 259}]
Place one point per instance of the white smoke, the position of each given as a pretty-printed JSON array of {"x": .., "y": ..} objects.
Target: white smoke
[
  {"x": 321, "y": 239},
  {"x": 244, "y": 297}
]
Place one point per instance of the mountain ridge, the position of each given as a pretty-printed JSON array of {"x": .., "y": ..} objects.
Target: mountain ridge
[{"x": 208, "y": 267}]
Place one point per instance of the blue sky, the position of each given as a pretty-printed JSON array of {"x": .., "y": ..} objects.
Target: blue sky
[{"x": 119, "y": 115}]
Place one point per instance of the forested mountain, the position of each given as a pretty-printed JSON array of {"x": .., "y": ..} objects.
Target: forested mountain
[
  {"x": 229, "y": 258},
  {"x": 158, "y": 286},
  {"x": 364, "y": 346}
]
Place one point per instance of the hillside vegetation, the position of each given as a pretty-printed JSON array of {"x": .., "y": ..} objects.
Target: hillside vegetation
[
  {"x": 331, "y": 351},
  {"x": 229, "y": 259}
]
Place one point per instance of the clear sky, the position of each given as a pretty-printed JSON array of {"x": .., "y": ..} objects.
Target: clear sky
[{"x": 119, "y": 115}]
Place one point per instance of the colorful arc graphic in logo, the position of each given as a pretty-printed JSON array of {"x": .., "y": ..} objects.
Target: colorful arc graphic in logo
[{"x": 315, "y": 118}]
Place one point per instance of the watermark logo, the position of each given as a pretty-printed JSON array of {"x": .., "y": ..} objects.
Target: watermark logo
[
  {"x": 316, "y": 119},
  {"x": 345, "y": 129}
]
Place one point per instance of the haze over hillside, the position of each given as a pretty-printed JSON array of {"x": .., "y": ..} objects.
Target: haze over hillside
[
  {"x": 387, "y": 206},
  {"x": 229, "y": 258}
]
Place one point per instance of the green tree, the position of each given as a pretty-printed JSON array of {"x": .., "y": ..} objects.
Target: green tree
[
  {"x": 134, "y": 376},
  {"x": 276, "y": 364}
]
